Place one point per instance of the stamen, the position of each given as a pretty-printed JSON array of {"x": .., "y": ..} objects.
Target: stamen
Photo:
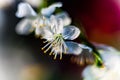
[
  {"x": 41, "y": 25},
  {"x": 61, "y": 55},
  {"x": 43, "y": 17},
  {"x": 55, "y": 56},
  {"x": 47, "y": 44},
  {"x": 81, "y": 61},
  {"x": 35, "y": 24},
  {"x": 61, "y": 48},
  {"x": 45, "y": 41},
  {"x": 87, "y": 60},
  {"x": 57, "y": 45},
  {"x": 50, "y": 44},
  {"x": 48, "y": 48},
  {"x": 51, "y": 53}
]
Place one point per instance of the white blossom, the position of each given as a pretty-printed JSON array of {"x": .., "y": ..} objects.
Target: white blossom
[
  {"x": 110, "y": 71},
  {"x": 55, "y": 34},
  {"x": 26, "y": 11},
  {"x": 55, "y": 29}
]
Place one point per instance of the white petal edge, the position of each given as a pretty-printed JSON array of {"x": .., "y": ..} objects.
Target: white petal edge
[
  {"x": 24, "y": 27},
  {"x": 76, "y": 48},
  {"x": 49, "y": 10},
  {"x": 104, "y": 47},
  {"x": 56, "y": 24},
  {"x": 73, "y": 48},
  {"x": 65, "y": 18},
  {"x": 25, "y": 10},
  {"x": 70, "y": 32},
  {"x": 85, "y": 47}
]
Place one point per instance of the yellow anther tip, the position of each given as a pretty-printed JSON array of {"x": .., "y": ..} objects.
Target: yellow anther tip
[
  {"x": 44, "y": 51},
  {"x": 50, "y": 54},
  {"x": 54, "y": 58},
  {"x": 42, "y": 48},
  {"x": 37, "y": 36},
  {"x": 60, "y": 58}
]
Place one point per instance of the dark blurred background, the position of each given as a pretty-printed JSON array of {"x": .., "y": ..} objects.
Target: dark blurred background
[
  {"x": 100, "y": 19},
  {"x": 21, "y": 57}
]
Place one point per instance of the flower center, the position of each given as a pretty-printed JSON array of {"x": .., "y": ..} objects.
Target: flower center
[
  {"x": 58, "y": 36},
  {"x": 57, "y": 46},
  {"x": 40, "y": 22}
]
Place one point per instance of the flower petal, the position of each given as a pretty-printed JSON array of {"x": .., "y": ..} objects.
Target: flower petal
[
  {"x": 25, "y": 10},
  {"x": 110, "y": 71},
  {"x": 85, "y": 47},
  {"x": 104, "y": 47},
  {"x": 44, "y": 32},
  {"x": 73, "y": 48},
  {"x": 56, "y": 24},
  {"x": 76, "y": 48},
  {"x": 24, "y": 27},
  {"x": 70, "y": 32},
  {"x": 65, "y": 18},
  {"x": 49, "y": 10}
]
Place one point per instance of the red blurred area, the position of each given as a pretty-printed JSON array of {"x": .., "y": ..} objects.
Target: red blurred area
[{"x": 101, "y": 20}]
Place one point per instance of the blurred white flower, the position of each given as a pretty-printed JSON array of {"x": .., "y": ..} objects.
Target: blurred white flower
[
  {"x": 49, "y": 10},
  {"x": 5, "y": 3},
  {"x": 25, "y": 26},
  {"x": 35, "y": 3},
  {"x": 111, "y": 58},
  {"x": 12, "y": 60}
]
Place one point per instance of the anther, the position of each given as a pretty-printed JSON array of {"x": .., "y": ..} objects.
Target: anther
[
  {"x": 44, "y": 51},
  {"x": 50, "y": 53},
  {"x": 60, "y": 57},
  {"x": 42, "y": 48},
  {"x": 45, "y": 41},
  {"x": 55, "y": 56}
]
